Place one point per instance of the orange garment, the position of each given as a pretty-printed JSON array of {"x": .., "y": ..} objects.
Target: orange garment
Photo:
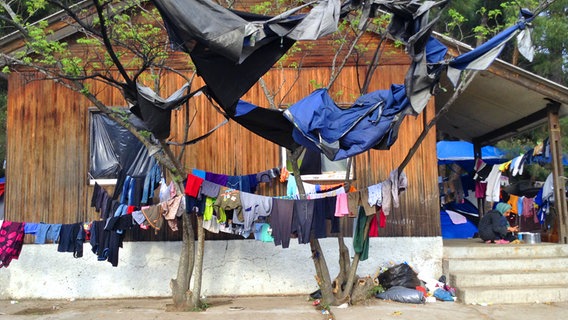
[
  {"x": 514, "y": 202},
  {"x": 327, "y": 187},
  {"x": 284, "y": 174}
]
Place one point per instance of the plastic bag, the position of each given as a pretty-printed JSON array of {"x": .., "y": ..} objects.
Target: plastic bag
[
  {"x": 402, "y": 294},
  {"x": 400, "y": 275},
  {"x": 443, "y": 295}
]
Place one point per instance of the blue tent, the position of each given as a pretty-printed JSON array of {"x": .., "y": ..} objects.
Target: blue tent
[{"x": 456, "y": 231}]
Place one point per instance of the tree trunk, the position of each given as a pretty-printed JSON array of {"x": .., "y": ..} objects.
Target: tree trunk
[
  {"x": 182, "y": 296},
  {"x": 180, "y": 286},
  {"x": 196, "y": 296},
  {"x": 350, "y": 281},
  {"x": 322, "y": 273},
  {"x": 344, "y": 265}
]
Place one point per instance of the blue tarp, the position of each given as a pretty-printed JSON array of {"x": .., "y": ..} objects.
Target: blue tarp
[
  {"x": 319, "y": 124},
  {"x": 461, "y": 153},
  {"x": 452, "y": 151},
  {"x": 481, "y": 57}
]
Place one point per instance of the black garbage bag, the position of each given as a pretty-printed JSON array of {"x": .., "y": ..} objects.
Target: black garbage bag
[
  {"x": 400, "y": 275},
  {"x": 402, "y": 294},
  {"x": 316, "y": 294}
]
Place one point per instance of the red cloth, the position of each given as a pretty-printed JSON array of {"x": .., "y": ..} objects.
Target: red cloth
[
  {"x": 421, "y": 289},
  {"x": 382, "y": 219},
  {"x": 374, "y": 227},
  {"x": 192, "y": 185}
]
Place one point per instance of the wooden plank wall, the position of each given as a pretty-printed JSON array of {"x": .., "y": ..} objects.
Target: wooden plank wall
[
  {"x": 47, "y": 152},
  {"x": 48, "y": 148}
]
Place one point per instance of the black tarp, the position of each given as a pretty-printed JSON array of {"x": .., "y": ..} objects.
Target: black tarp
[
  {"x": 231, "y": 50},
  {"x": 114, "y": 148}
]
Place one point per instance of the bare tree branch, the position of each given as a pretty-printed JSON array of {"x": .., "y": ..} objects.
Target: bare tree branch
[{"x": 110, "y": 48}]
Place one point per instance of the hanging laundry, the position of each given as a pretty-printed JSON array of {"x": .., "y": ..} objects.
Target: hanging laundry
[
  {"x": 11, "y": 241},
  {"x": 172, "y": 210},
  {"x": 360, "y": 199},
  {"x": 30, "y": 228},
  {"x": 374, "y": 226},
  {"x": 115, "y": 239},
  {"x": 341, "y": 205},
  {"x": 268, "y": 175},
  {"x": 192, "y": 185},
  {"x": 360, "y": 240},
  {"x": 302, "y": 220},
  {"x": 375, "y": 195},
  {"x": 324, "y": 209},
  {"x": 281, "y": 221},
  {"x": 71, "y": 239},
  {"x": 253, "y": 207},
  {"x": 220, "y": 179},
  {"x": 212, "y": 225},
  {"x": 399, "y": 183},
  {"x": 493, "y": 184},
  {"x": 229, "y": 199},
  {"x": 210, "y": 189},
  {"x": 47, "y": 233},
  {"x": 139, "y": 218},
  {"x": 154, "y": 216},
  {"x": 151, "y": 182},
  {"x": 387, "y": 197},
  {"x": 210, "y": 220},
  {"x": 263, "y": 232}
]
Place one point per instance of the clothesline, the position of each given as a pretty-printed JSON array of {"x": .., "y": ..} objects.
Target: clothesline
[{"x": 252, "y": 213}]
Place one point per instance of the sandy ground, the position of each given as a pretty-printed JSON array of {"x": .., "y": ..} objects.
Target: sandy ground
[{"x": 274, "y": 307}]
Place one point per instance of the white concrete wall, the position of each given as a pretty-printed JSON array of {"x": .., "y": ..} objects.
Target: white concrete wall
[{"x": 246, "y": 267}]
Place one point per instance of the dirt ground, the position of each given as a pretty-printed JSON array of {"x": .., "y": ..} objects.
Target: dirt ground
[
  {"x": 155, "y": 308},
  {"x": 273, "y": 307}
]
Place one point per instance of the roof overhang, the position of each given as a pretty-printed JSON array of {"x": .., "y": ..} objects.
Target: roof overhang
[{"x": 501, "y": 102}]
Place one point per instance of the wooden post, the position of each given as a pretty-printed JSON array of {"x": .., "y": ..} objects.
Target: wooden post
[
  {"x": 557, "y": 170},
  {"x": 480, "y": 201}
]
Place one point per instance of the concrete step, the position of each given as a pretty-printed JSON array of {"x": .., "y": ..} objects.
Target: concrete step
[
  {"x": 509, "y": 278},
  {"x": 507, "y": 273},
  {"x": 503, "y": 294},
  {"x": 504, "y": 264},
  {"x": 483, "y": 250}
]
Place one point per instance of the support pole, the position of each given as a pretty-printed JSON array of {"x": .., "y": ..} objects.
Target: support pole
[
  {"x": 557, "y": 170},
  {"x": 480, "y": 201}
]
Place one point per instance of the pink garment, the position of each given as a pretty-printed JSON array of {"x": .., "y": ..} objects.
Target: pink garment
[
  {"x": 529, "y": 209},
  {"x": 171, "y": 209},
  {"x": 341, "y": 205}
]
